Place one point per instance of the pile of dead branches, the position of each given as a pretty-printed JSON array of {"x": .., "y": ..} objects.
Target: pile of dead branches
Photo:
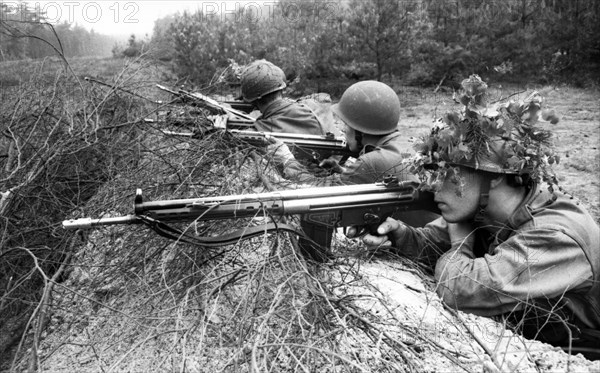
[{"x": 58, "y": 146}]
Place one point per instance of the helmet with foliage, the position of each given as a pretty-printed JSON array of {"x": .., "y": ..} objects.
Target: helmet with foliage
[
  {"x": 500, "y": 137},
  {"x": 370, "y": 107},
  {"x": 260, "y": 78}
]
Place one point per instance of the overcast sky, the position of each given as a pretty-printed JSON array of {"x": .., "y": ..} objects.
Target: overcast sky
[{"x": 126, "y": 17}]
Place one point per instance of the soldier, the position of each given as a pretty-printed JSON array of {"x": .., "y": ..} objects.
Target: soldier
[
  {"x": 262, "y": 85},
  {"x": 505, "y": 246},
  {"x": 370, "y": 111}
]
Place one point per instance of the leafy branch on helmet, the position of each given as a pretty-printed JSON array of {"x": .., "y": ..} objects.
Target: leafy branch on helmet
[{"x": 499, "y": 137}]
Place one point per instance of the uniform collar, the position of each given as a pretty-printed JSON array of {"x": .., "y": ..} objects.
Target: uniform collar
[
  {"x": 274, "y": 107},
  {"x": 521, "y": 215},
  {"x": 384, "y": 140}
]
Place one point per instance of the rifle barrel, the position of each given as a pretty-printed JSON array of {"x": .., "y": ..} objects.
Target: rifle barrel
[
  {"x": 407, "y": 188},
  {"x": 330, "y": 144},
  {"x": 86, "y": 223}
]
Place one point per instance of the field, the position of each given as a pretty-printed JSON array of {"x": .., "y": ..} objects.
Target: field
[{"x": 123, "y": 298}]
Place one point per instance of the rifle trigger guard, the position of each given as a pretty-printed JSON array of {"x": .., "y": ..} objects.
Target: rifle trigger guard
[
  {"x": 371, "y": 218},
  {"x": 362, "y": 231}
]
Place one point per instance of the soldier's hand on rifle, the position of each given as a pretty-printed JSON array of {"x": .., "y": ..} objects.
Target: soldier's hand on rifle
[
  {"x": 332, "y": 165},
  {"x": 388, "y": 232},
  {"x": 318, "y": 171},
  {"x": 292, "y": 169},
  {"x": 219, "y": 121},
  {"x": 279, "y": 151}
]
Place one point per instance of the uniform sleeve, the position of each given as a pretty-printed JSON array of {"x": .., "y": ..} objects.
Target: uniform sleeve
[
  {"x": 425, "y": 244},
  {"x": 266, "y": 125},
  {"x": 359, "y": 172},
  {"x": 539, "y": 263}
]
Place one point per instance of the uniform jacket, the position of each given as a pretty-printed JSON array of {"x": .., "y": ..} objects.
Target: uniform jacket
[
  {"x": 287, "y": 116},
  {"x": 546, "y": 257},
  {"x": 379, "y": 161}
]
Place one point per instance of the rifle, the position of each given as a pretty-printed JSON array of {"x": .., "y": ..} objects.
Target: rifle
[
  {"x": 307, "y": 146},
  {"x": 245, "y": 107},
  {"x": 321, "y": 211},
  {"x": 207, "y": 101},
  {"x": 313, "y": 144}
]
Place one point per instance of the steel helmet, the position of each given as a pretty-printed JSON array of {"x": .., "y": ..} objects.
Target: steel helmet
[
  {"x": 370, "y": 107},
  {"x": 260, "y": 78},
  {"x": 500, "y": 138}
]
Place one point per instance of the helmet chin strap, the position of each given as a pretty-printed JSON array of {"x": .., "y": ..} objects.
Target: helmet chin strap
[
  {"x": 484, "y": 196},
  {"x": 358, "y": 136}
]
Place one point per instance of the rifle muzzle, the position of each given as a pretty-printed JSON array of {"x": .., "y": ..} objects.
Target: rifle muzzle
[{"x": 84, "y": 223}]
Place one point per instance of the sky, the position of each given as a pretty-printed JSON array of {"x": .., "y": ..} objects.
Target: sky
[{"x": 111, "y": 17}]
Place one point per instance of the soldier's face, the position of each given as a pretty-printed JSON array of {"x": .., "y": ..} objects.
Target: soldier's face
[
  {"x": 459, "y": 201},
  {"x": 350, "y": 136}
]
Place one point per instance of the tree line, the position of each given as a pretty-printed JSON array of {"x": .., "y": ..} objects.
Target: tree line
[
  {"x": 422, "y": 41},
  {"x": 25, "y": 33}
]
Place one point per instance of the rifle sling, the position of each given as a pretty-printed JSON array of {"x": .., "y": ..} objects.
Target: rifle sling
[{"x": 173, "y": 233}]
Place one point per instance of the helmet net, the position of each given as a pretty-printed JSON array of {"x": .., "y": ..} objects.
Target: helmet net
[{"x": 261, "y": 78}]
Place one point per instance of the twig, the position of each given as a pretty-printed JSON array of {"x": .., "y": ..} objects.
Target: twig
[
  {"x": 42, "y": 317},
  {"x": 137, "y": 345},
  {"x": 117, "y": 88},
  {"x": 481, "y": 343},
  {"x": 390, "y": 340},
  {"x": 440, "y": 83},
  {"x": 317, "y": 349},
  {"x": 507, "y": 97}
]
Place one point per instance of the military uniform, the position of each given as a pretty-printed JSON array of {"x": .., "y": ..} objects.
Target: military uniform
[
  {"x": 374, "y": 163},
  {"x": 547, "y": 258},
  {"x": 286, "y": 116},
  {"x": 378, "y": 161}
]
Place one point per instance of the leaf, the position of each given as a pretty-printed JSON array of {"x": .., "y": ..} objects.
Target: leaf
[
  {"x": 499, "y": 123},
  {"x": 491, "y": 111},
  {"x": 515, "y": 108},
  {"x": 463, "y": 147}
]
